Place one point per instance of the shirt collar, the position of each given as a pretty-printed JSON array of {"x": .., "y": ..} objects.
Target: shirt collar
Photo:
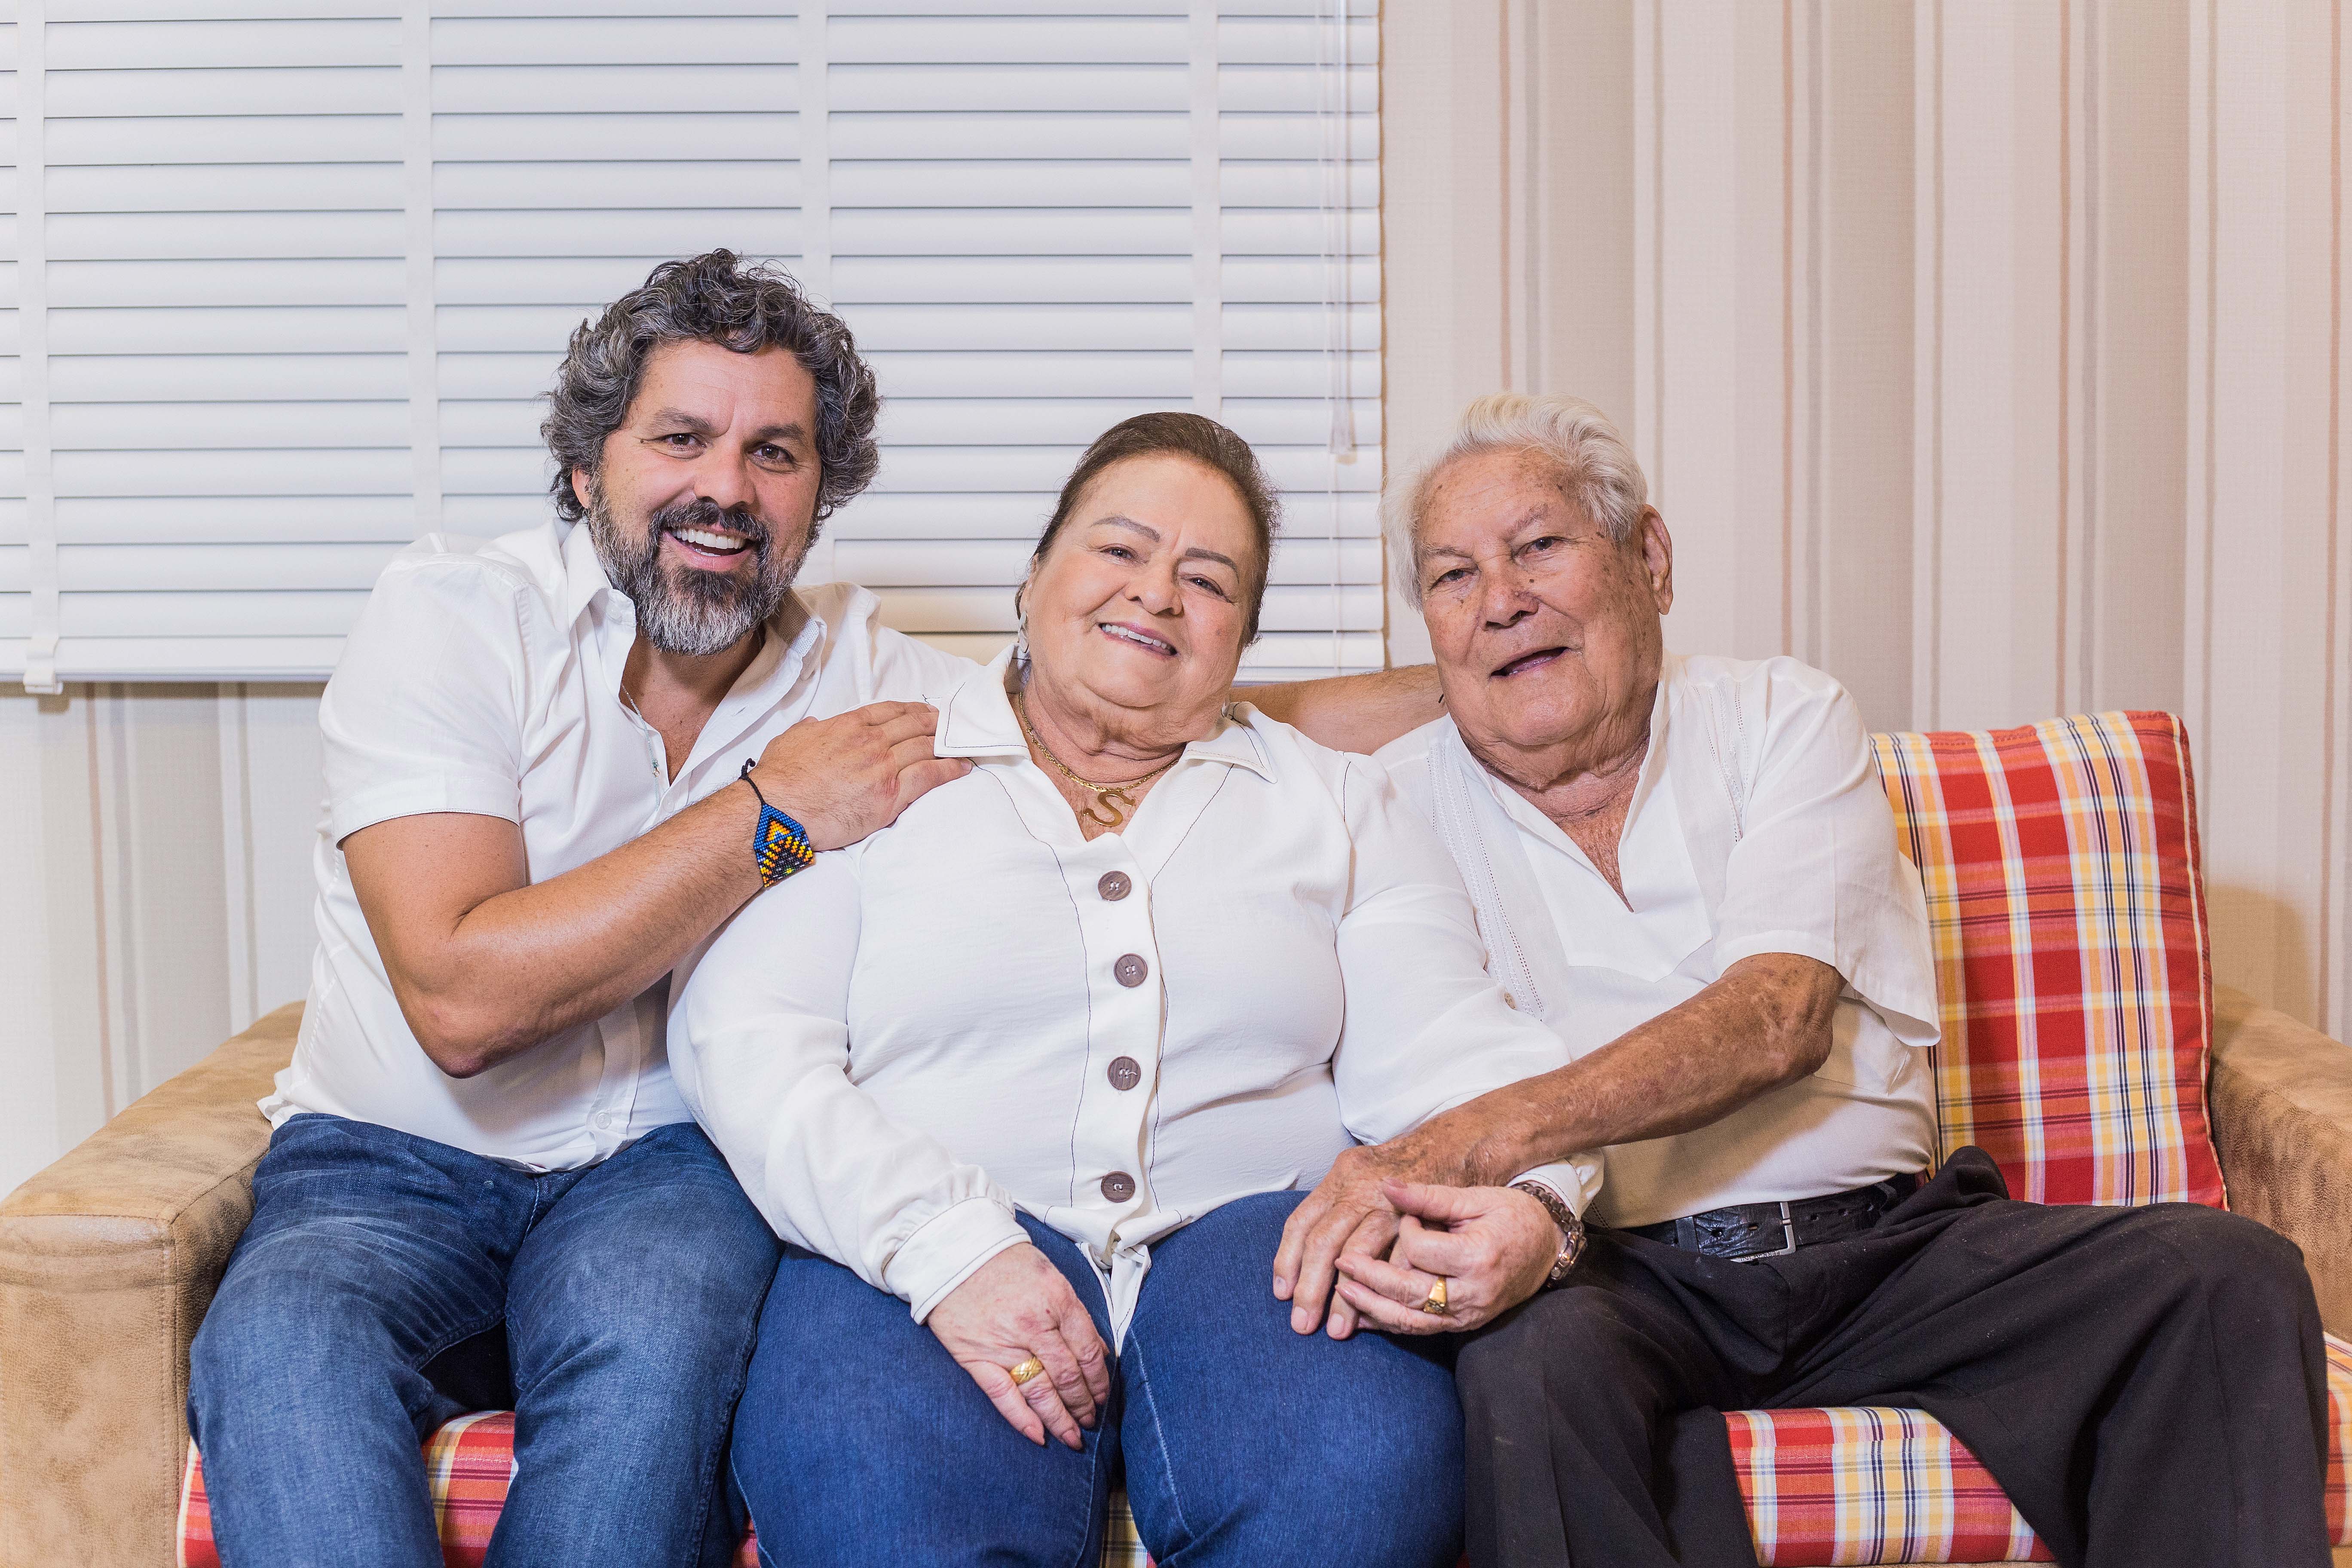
[
  {"x": 583, "y": 574},
  {"x": 977, "y": 721},
  {"x": 1654, "y": 758}
]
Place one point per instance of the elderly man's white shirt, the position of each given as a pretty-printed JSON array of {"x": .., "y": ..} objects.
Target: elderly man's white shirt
[
  {"x": 926, "y": 1030},
  {"x": 484, "y": 676},
  {"x": 1790, "y": 809}
]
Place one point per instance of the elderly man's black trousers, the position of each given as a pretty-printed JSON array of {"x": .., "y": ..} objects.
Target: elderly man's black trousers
[{"x": 2147, "y": 1384}]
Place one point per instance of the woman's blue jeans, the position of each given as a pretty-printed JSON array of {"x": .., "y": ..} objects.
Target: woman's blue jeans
[
  {"x": 388, "y": 1283},
  {"x": 860, "y": 1441}
]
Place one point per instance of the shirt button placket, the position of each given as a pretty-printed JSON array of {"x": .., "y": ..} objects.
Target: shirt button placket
[{"x": 1132, "y": 1011}]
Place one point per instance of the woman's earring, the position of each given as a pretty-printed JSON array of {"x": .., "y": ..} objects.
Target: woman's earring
[{"x": 1021, "y": 630}]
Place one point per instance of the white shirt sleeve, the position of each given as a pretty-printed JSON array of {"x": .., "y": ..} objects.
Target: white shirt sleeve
[
  {"x": 1426, "y": 1028},
  {"x": 425, "y": 712},
  {"x": 758, "y": 1044},
  {"x": 1816, "y": 871}
]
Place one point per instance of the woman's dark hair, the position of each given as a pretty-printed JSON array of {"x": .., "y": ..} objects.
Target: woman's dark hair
[
  {"x": 1207, "y": 443},
  {"x": 715, "y": 298}
]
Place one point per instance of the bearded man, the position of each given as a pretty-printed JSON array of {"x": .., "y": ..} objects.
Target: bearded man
[
  {"x": 1687, "y": 867},
  {"x": 555, "y": 763}
]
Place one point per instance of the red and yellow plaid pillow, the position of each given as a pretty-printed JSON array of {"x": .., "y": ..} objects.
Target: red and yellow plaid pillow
[{"x": 2067, "y": 907}]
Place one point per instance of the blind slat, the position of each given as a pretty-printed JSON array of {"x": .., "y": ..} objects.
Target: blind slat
[
  {"x": 680, "y": 88},
  {"x": 224, "y": 139},
  {"x": 681, "y": 40},
  {"x": 342, "y": 89}
]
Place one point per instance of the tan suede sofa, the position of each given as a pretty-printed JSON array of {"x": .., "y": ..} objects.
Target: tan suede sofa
[{"x": 109, "y": 1259}]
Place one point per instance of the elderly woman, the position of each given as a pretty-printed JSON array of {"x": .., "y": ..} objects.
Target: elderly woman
[{"x": 1030, "y": 1081}]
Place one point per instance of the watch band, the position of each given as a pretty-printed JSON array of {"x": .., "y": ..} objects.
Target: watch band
[
  {"x": 780, "y": 846},
  {"x": 1571, "y": 1229}
]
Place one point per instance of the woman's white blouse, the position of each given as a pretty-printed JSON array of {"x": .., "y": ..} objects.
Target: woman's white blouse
[{"x": 976, "y": 1010}]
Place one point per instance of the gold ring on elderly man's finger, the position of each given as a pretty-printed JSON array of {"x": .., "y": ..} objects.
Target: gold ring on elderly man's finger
[
  {"x": 1435, "y": 1306},
  {"x": 1025, "y": 1371}
]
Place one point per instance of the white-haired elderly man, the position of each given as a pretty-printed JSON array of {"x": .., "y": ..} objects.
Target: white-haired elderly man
[{"x": 1688, "y": 867}]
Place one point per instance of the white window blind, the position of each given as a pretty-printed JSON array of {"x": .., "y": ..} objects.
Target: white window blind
[{"x": 303, "y": 270}]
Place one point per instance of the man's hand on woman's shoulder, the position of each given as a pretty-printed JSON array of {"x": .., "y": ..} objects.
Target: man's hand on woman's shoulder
[{"x": 845, "y": 777}]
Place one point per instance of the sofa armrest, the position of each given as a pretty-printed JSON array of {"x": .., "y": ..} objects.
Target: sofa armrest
[
  {"x": 2281, "y": 1107},
  {"x": 108, "y": 1261}
]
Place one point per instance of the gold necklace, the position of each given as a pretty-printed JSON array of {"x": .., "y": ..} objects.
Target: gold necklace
[{"x": 1111, "y": 798}]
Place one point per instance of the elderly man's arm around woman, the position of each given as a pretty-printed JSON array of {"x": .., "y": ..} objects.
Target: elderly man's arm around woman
[{"x": 1030, "y": 1082}]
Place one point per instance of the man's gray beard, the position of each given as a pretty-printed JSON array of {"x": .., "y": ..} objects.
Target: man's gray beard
[{"x": 690, "y": 613}]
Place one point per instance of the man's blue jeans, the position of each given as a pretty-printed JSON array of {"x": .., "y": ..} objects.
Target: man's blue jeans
[
  {"x": 388, "y": 1283},
  {"x": 859, "y": 1441}
]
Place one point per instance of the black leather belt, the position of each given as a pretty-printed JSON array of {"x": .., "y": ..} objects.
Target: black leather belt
[{"x": 1746, "y": 1231}]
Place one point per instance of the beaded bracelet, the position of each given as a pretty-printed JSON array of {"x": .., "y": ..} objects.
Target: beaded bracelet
[{"x": 779, "y": 845}]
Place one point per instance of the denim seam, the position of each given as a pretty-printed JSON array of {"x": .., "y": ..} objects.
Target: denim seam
[
  {"x": 1158, "y": 1434},
  {"x": 1087, "y": 1511},
  {"x": 759, "y": 1542},
  {"x": 707, "y": 1475}
]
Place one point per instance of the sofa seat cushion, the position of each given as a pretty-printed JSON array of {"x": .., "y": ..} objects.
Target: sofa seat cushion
[
  {"x": 470, "y": 1464},
  {"x": 1882, "y": 1485},
  {"x": 1869, "y": 1484},
  {"x": 1822, "y": 1486}
]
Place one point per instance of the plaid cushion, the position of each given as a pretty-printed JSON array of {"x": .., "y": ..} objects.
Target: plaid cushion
[
  {"x": 1869, "y": 1484},
  {"x": 1877, "y": 1485},
  {"x": 1822, "y": 1486},
  {"x": 469, "y": 1466},
  {"x": 2068, "y": 914}
]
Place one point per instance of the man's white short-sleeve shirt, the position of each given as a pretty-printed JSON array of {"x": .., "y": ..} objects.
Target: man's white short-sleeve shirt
[
  {"x": 1814, "y": 870},
  {"x": 484, "y": 676}
]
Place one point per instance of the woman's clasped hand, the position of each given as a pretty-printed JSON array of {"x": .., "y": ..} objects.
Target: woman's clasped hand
[{"x": 1017, "y": 1306}]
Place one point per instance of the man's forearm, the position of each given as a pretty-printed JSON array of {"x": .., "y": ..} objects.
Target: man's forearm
[
  {"x": 524, "y": 965},
  {"x": 1765, "y": 1024},
  {"x": 488, "y": 963},
  {"x": 1353, "y": 713}
]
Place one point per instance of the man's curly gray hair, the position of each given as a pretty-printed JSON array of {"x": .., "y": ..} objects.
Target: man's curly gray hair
[
  {"x": 715, "y": 297},
  {"x": 1597, "y": 470}
]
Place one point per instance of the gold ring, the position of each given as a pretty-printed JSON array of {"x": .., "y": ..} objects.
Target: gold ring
[
  {"x": 1435, "y": 1306},
  {"x": 1025, "y": 1371}
]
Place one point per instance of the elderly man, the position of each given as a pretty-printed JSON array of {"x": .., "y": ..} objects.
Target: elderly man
[
  {"x": 556, "y": 762},
  {"x": 1688, "y": 869}
]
